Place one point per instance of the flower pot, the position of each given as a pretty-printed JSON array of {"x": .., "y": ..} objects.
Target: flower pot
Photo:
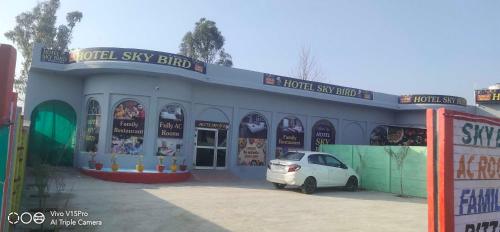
[
  {"x": 114, "y": 167},
  {"x": 139, "y": 167},
  {"x": 160, "y": 168},
  {"x": 98, "y": 166},
  {"x": 182, "y": 167},
  {"x": 173, "y": 168},
  {"x": 91, "y": 164}
]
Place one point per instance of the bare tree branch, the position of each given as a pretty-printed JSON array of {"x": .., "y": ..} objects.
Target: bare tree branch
[{"x": 307, "y": 67}]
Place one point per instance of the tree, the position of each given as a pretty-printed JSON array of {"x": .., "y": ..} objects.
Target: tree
[
  {"x": 39, "y": 26},
  {"x": 307, "y": 68},
  {"x": 360, "y": 169},
  {"x": 205, "y": 43},
  {"x": 400, "y": 158}
]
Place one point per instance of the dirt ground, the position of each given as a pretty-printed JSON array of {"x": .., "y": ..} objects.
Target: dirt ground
[{"x": 235, "y": 205}]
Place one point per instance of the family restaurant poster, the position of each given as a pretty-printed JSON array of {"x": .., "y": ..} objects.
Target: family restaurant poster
[
  {"x": 252, "y": 142},
  {"x": 128, "y": 128},
  {"x": 289, "y": 136},
  {"x": 464, "y": 180},
  {"x": 323, "y": 132},
  {"x": 170, "y": 129}
]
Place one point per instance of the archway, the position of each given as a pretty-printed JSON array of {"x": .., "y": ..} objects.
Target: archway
[
  {"x": 353, "y": 134},
  {"x": 52, "y": 133},
  {"x": 211, "y": 139}
]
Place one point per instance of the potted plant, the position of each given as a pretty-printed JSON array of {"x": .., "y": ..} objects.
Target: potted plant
[
  {"x": 92, "y": 162},
  {"x": 114, "y": 164},
  {"x": 98, "y": 166},
  {"x": 160, "y": 167},
  {"x": 173, "y": 167},
  {"x": 140, "y": 165},
  {"x": 183, "y": 166}
]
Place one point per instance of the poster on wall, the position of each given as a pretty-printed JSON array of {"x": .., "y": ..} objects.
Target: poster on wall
[
  {"x": 128, "y": 128},
  {"x": 170, "y": 129},
  {"x": 323, "y": 132},
  {"x": 93, "y": 125},
  {"x": 464, "y": 190},
  {"x": 252, "y": 140},
  {"x": 290, "y": 135},
  {"x": 398, "y": 136}
]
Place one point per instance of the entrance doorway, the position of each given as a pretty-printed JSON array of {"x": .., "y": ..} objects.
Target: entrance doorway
[
  {"x": 52, "y": 134},
  {"x": 211, "y": 148}
]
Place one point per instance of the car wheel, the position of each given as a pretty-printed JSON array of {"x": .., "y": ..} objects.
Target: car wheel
[
  {"x": 309, "y": 185},
  {"x": 352, "y": 184},
  {"x": 279, "y": 186}
]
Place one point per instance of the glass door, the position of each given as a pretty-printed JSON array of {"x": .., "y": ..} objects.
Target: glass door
[
  {"x": 211, "y": 147},
  {"x": 220, "y": 159}
]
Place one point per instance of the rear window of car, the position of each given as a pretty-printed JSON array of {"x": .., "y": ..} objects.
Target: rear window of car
[{"x": 293, "y": 156}]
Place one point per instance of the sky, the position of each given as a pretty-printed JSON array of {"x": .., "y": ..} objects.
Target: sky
[{"x": 396, "y": 47}]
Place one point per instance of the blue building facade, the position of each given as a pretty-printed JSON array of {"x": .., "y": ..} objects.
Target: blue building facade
[{"x": 132, "y": 102}]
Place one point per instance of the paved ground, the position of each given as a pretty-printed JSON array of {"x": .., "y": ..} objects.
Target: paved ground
[{"x": 235, "y": 205}]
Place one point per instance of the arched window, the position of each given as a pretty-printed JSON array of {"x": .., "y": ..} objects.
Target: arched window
[
  {"x": 170, "y": 129},
  {"x": 290, "y": 134},
  {"x": 252, "y": 140},
  {"x": 323, "y": 132},
  {"x": 397, "y": 136},
  {"x": 92, "y": 126},
  {"x": 128, "y": 128},
  {"x": 378, "y": 136}
]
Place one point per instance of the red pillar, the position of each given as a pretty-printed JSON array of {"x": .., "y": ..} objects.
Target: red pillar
[
  {"x": 7, "y": 112},
  {"x": 7, "y": 70}
]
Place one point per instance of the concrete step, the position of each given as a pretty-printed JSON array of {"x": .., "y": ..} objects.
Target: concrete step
[{"x": 211, "y": 175}]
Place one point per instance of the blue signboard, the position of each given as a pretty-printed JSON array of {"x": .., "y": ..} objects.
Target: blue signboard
[
  {"x": 122, "y": 54},
  {"x": 293, "y": 83},
  {"x": 432, "y": 99},
  {"x": 488, "y": 96}
]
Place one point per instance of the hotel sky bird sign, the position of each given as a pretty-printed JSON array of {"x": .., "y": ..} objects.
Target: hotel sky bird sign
[
  {"x": 122, "y": 54},
  {"x": 312, "y": 86},
  {"x": 468, "y": 167},
  {"x": 432, "y": 99},
  {"x": 491, "y": 96}
]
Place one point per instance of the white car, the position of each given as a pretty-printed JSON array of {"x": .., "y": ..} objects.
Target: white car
[{"x": 310, "y": 170}]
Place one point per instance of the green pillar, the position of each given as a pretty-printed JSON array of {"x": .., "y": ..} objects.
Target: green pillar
[{"x": 4, "y": 146}]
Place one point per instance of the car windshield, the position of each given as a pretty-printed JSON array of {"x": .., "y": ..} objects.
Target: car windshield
[{"x": 293, "y": 156}]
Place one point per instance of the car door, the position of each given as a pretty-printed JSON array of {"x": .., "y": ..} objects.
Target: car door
[
  {"x": 319, "y": 169},
  {"x": 337, "y": 175}
]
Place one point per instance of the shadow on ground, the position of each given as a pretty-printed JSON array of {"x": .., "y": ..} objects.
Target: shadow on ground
[
  {"x": 235, "y": 205},
  {"x": 120, "y": 207}
]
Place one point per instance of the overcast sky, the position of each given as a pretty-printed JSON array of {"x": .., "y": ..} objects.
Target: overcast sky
[{"x": 396, "y": 47}]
